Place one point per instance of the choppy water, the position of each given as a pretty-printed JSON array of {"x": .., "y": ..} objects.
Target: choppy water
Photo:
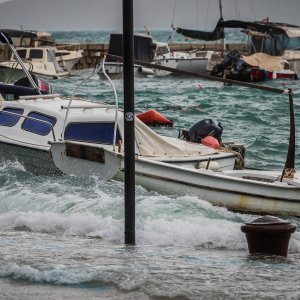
[{"x": 62, "y": 237}]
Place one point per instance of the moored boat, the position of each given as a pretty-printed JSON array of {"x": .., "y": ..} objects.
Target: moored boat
[{"x": 148, "y": 50}]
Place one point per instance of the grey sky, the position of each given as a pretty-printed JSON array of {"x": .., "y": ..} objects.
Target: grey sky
[{"x": 107, "y": 14}]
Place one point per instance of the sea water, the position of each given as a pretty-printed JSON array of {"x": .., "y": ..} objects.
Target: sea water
[{"x": 62, "y": 237}]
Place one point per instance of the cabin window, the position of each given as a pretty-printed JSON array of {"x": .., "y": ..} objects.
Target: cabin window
[
  {"x": 61, "y": 53},
  {"x": 294, "y": 43},
  {"x": 101, "y": 133},
  {"x": 162, "y": 50},
  {"x": 36, "y": 54},
  {"x": 22, "y": 53},
  {"x": 9, "y": 116},
  {"x": 41, "y": 124}
]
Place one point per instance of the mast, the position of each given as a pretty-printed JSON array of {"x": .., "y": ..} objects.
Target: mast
[
  {"x": 221, "y": 10},
  {"x": 221, "y": 18}
]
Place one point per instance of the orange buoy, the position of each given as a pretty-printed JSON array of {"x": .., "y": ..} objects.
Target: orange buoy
[
  {"x": 210, "y": 141},
  {"x": 153, "y": 118}
]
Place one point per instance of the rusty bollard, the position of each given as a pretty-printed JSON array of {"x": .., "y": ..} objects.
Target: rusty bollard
[{"x": 268, "y": 235}]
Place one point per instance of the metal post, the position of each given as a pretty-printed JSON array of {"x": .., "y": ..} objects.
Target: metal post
[
  {"x": 129, "y": 136},
  {"x": 289, "y": 168}
]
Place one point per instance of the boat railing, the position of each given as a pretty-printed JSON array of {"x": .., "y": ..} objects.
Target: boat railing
[
  {"x": 32, "y": 82},
  {"x": 88, "y": 106},
  {"x": 31, "y": 118},
  {"x": 36, "y": 97},
  {"x": 69, "y": 107},
  {"x": 116, "y": 103},
  {"x": 95, "y": 71}
]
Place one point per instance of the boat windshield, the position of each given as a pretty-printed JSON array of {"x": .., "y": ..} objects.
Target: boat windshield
[
  {"x": 273, "y": 45},
  {"x": 92, "y": 133}
]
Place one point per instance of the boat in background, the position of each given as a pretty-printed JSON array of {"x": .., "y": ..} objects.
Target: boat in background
[
  {"x": 256, "y": 67},
  {"x": 272, "y": 38},
  {"x": 148, "y": 50},
  {"x": 67, "y": 59},
  {"x": 29, "y": 85},
  {"x": 38, "y": 40},
  {"x": 40, "y": 61}
]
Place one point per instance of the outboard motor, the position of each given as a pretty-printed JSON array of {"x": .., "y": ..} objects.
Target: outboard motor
[
  {"x": 204, "y": 128},
  {"x": 230, "y": 59},
  {"x": 43, "y": 85}
]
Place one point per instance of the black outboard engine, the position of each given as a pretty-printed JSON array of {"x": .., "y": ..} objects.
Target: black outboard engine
[
  {"x": 204, "y": 128},
  {"x": 230, "y": 59}
]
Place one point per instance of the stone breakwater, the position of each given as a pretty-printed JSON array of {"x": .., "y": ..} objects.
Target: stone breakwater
[{"x": 91, "y": 51}]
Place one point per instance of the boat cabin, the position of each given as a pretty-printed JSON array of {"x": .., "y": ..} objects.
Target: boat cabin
[
  {"x": 267, "y": 37},
  {"x": 144, "y": 47}
]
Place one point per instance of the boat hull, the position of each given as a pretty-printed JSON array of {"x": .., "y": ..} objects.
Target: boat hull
[
  {"x": 230, "y": 189},
  {"x": 235, "y": 194},
  {"x": 36, "y": 161},
  {"x": 72, "y": 159},
  {"x": 9, "y": 72}
]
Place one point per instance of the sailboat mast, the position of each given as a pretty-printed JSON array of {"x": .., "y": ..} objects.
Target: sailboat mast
[
  {"x": 221, "y": 9},
  {"x": 221, "y": 18}
]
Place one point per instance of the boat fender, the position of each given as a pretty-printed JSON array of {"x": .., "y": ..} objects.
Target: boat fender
[
  {"x": 145, "y": 71},
  {"x": 211, "y": 142},
  {"x": 153, "y": 118}
]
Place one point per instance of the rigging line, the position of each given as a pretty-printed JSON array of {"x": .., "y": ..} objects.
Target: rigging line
[
  {"x": 207, "y": 9},
  {"x": 252, "y": 9},
  {"x": 197, "y": 8},
  {"x": 234, "y": 2},
  {"x": 174, "y": 11},
  {"x": 238, "y": 9},
  {"x": 230, "y": 10}
]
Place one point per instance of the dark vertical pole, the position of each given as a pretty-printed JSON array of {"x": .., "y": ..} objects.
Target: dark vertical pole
[
  {"x": 289, "y": 168},
  {"x": 129, "y": 136}
]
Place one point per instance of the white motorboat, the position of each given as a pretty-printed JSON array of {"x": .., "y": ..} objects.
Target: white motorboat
[
  {"x": 148, "y": 50},
  {"x": 29, "y": 124},
  {"x": 32, "y": 39},
  {"x": 40, "y": 61}
]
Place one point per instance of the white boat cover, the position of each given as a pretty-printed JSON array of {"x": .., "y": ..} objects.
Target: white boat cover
[
  {"x": 265, "y": 61},
  {"x": 291, "y": 54},
  {"x": 151, "y": 144}
]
